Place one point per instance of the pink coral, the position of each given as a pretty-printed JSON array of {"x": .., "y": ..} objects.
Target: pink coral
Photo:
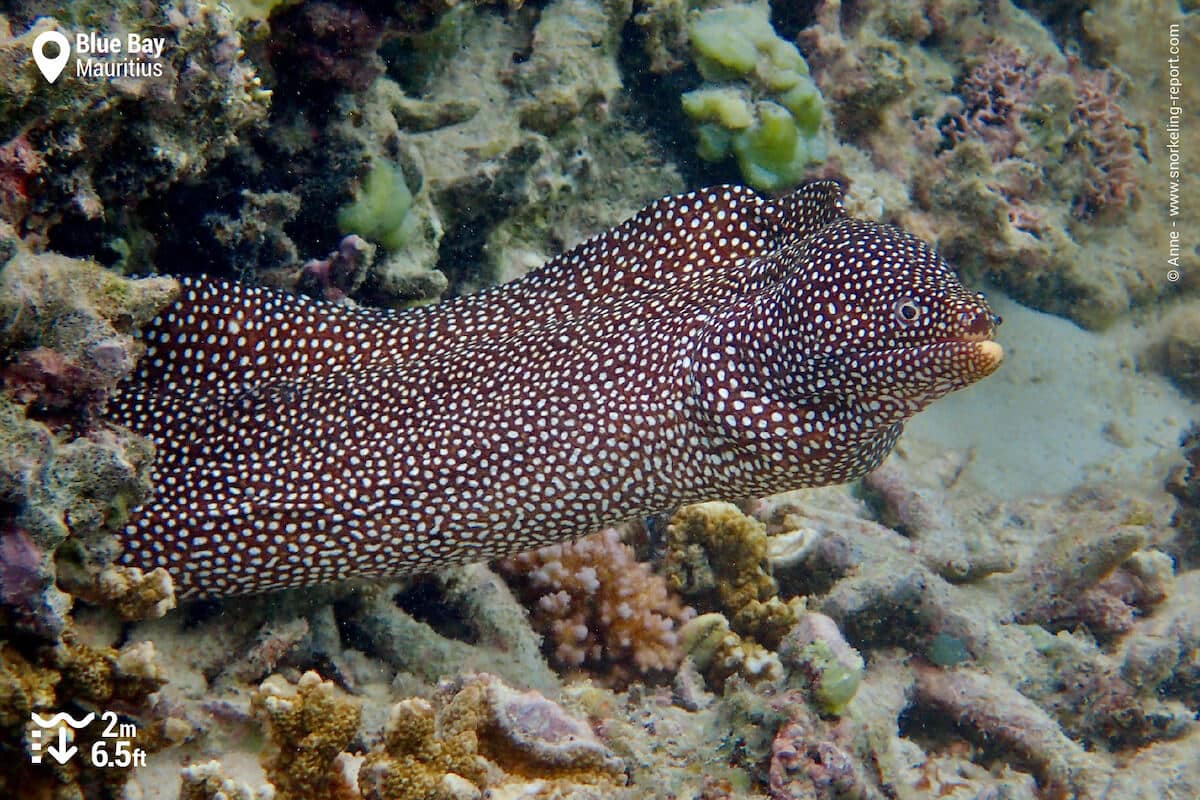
[
  {"x": 1005, "y": 88},
  {"x": 1109, "y": 141},
  {"x": 19, "y": 162},
  {"x": 341, "y": 272},
  {"x": 996, "y": 93},
  {"x": 600, "y": 606}
]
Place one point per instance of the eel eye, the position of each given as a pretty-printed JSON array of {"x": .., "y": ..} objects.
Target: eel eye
[{"x": 907, "y": 311}]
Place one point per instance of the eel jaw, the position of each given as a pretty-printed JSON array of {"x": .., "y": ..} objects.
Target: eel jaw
[{"x": 990, "y": 354}]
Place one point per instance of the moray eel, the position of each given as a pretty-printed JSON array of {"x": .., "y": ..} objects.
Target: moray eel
[{"x": 718, "y": 344}]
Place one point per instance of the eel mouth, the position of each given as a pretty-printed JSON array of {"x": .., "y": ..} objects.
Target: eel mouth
[{"x": 971, "y": 357}]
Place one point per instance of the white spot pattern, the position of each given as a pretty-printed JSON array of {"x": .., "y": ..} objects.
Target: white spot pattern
[{"x": 718, "y": 344}]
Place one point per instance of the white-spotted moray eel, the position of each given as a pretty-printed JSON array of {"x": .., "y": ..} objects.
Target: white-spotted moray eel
[{"x": 717, "y": 345}]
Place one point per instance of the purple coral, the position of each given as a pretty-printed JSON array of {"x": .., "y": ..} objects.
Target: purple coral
[
  {"x": 1006, "y": 91},
  {"x": 341, "y": 272},
  {"x": 22, "y": 568},
  {"x": 326, "y": 46}
]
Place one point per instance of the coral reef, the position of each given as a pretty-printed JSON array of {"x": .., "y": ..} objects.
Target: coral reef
[
  {"x": 600, "y": 607},
  {"x": 808, "y": 765},
  {"x": 102, "y": 143},
  {"x": 207, "y": 782},
  {"x": 759, "y": 103},
  {"x": 719, "y": 653},
  {"x": 1184, "y": 484},
  {"x": 68, "y": 326},
  {"x": 917, "y": 635},
  {"x": 1001, "y": 145},
  {"x": 64, "y": 472},
  {"x": 416, "y": 760},
  {"x": 325, "y": 48},
  {"x": 79, "y": 678}
]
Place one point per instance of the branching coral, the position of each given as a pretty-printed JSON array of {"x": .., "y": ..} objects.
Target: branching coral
[
  {"x": 997, "y": 96},
  {"x": 1021, "y": 108},
  {"x": 309, "y": 724},
  {"x": 600, "y": 606},
  {"x": 416, "y": 760},
  {"x": 77, "y": 678}
]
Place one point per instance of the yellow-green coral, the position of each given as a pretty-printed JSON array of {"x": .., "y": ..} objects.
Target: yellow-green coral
[
  {"x": 380, "y": 211},
  {"x": 760, "y": 104},
  {"x": 309, "y": 725},
  {"x": 714, "y": 549},
  {"x": 834, "y": 683}
]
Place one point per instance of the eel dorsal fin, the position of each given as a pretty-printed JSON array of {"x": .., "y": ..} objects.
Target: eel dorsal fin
[
  {"x": 221, "y": 338},
  {"x": 808, "y": 209}
]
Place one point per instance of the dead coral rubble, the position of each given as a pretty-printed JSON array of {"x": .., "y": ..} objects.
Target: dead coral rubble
[{"x": 480, "y": 734}]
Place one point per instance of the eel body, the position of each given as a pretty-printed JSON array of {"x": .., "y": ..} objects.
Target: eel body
[{"x": 717, "y": 345}]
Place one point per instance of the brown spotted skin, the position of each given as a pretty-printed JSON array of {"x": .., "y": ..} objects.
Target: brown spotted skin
[{"x": 718, "y": 344}]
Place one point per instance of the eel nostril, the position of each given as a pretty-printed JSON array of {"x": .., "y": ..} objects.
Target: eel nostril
[{"x": 979, "y": 322}]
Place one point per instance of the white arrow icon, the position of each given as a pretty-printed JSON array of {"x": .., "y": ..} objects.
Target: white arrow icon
[
  {"x": 63, "y": 751},
  {"x": 51, "y": 67}
]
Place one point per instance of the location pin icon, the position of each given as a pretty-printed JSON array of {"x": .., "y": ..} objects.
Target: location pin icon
[{"x": 51, "y": 67}]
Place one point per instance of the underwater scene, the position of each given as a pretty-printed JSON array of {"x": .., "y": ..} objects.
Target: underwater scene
[{"x": 590, "y": 399}]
